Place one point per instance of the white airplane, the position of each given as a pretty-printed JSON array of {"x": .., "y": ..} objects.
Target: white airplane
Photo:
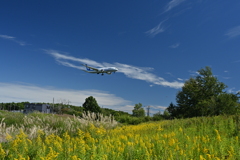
[{"x": 108, "y": 70}]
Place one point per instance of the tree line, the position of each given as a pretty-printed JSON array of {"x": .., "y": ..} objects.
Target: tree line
[{"x": 12, "y": 106}]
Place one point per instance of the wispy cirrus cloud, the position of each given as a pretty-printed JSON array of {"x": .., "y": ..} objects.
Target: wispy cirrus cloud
[
  {"x": 158, "y": 107},
  {"x": 226, "y": 77},
  {"x": 172, "y": 4},
  {"x": 233, "y": 32},
  {"x": 156, "y": 30},
  {"x": 134, "y": 72},
  {"x": 180, "y": 79},
  {"x": 175, "y": 45},
  {"x": 155, "y": 109},
  {"x": 62, "y": 59},
  {"x": 233, "y": 90},
  {"x": 13, "y": 39},
  {"x": 7, "y": 37},
  {"x": 24, "y": 92}
]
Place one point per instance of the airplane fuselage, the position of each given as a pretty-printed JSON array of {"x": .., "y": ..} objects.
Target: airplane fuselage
[{"x": 107, "y": 70}]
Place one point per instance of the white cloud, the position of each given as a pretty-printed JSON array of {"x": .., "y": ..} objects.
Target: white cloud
[
  {"x": 175, "y": 45},
  {"x": 7, "y": 37},
  {"x": 226, "y": 77},
  {"x": 172, "y": 4},
  {"x": 233, "y": 32},
  {"x": 126, "y": 108},
  {"x": 193, "y": 73},
  {"x": 130, "y": 71},
  {"x": 170, "y": 74},
  {"x": 155, "y": 109},
  {"x": 13, "y": 39},
  {"x": 231, "y": 90},
  {"x": 158, "y": 107},
  {"x": 24, "y": 92},
  {"x": 180, "y": 79},
  {"x": 61, "y": 58},
  {"x": 21, "y": 43},
  {"x": 156, "y": 30}
]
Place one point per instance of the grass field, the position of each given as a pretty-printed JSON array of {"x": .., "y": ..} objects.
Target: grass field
[{"x": 73, "y": 138}]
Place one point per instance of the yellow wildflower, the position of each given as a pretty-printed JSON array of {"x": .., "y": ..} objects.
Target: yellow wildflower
[
  {"x": 66, "y": 136},
  {"x": 75, "y": 158},
  {"x": 52, "y": 154},
  {"x": 180, "y": 129},
  {"x": 87, "y": 135},
  {"x": 218, "y": 135},
  {"x": 209, "y": 156},
  {"x": 80, "y": 133},
  {"x": 2, "y": 152},
  {"x": 205, "y": 150},
  {"x": 8, "y": 137},
  {"x": 202, "y": 158}
]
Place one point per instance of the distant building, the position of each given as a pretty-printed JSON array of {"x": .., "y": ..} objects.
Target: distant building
[{"x": 31, "y": 107}]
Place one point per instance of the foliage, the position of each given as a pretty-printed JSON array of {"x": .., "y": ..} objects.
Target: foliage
[
  {"x": 138, "y": 111},
  {"x": 91, "y": 105},
  {"x": 108, "y": 112},
  {"x": 203, "y": 138},
  {"x": 202, "y": 96},
  {"x": 157, "y": 116},
  {"x": 166, "y": 114},
  {"x": 12, "y": 106},
  {"x": 174, "y": 111},
  {"x": 71, "y": 111},
  {"x": 126, "y": 119}
]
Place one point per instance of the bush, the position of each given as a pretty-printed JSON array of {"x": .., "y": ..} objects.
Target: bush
[
  {"x": 131, "y": 120},
  {"x": 136, "y": 120}
]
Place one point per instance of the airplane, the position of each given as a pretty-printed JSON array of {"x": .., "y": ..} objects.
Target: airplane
[{"x": 108, "y": 70}]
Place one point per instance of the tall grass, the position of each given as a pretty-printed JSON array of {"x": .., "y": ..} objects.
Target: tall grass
[
  {"x": 203, "y": 138},
  {"x": 13, "y": 123}
]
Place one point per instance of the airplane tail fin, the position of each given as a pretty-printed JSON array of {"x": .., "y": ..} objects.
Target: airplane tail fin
[{"x": 88, "y": 69}]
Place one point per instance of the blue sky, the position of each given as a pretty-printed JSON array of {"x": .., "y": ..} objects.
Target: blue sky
[{"x": 155, "y": 44}]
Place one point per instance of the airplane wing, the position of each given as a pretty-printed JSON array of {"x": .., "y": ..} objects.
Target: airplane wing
[
  {"x": 95, "y": 69},
  {"x": 84, "y": 70}
]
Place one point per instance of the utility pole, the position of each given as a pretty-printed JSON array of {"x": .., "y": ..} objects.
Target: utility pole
[
  {"x": 52, "y": 105},
  {"x": 148, "y": 108},
  {"x": 68, "y": 103}
]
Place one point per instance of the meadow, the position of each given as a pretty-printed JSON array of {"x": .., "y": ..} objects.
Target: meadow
[{"x": 47, "y": 137}]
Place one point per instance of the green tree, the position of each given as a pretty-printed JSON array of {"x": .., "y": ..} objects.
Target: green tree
[
  {"x": 157, "y": 116},
  {"x": 138, "y": 111},
  {"x": 166, "y": 114},
  {"x": 91, "y": 105},
  {"x": 227, "y": 103},
  {"x": 203, "y": 95},
  {"x": 174, "y": 111}
]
